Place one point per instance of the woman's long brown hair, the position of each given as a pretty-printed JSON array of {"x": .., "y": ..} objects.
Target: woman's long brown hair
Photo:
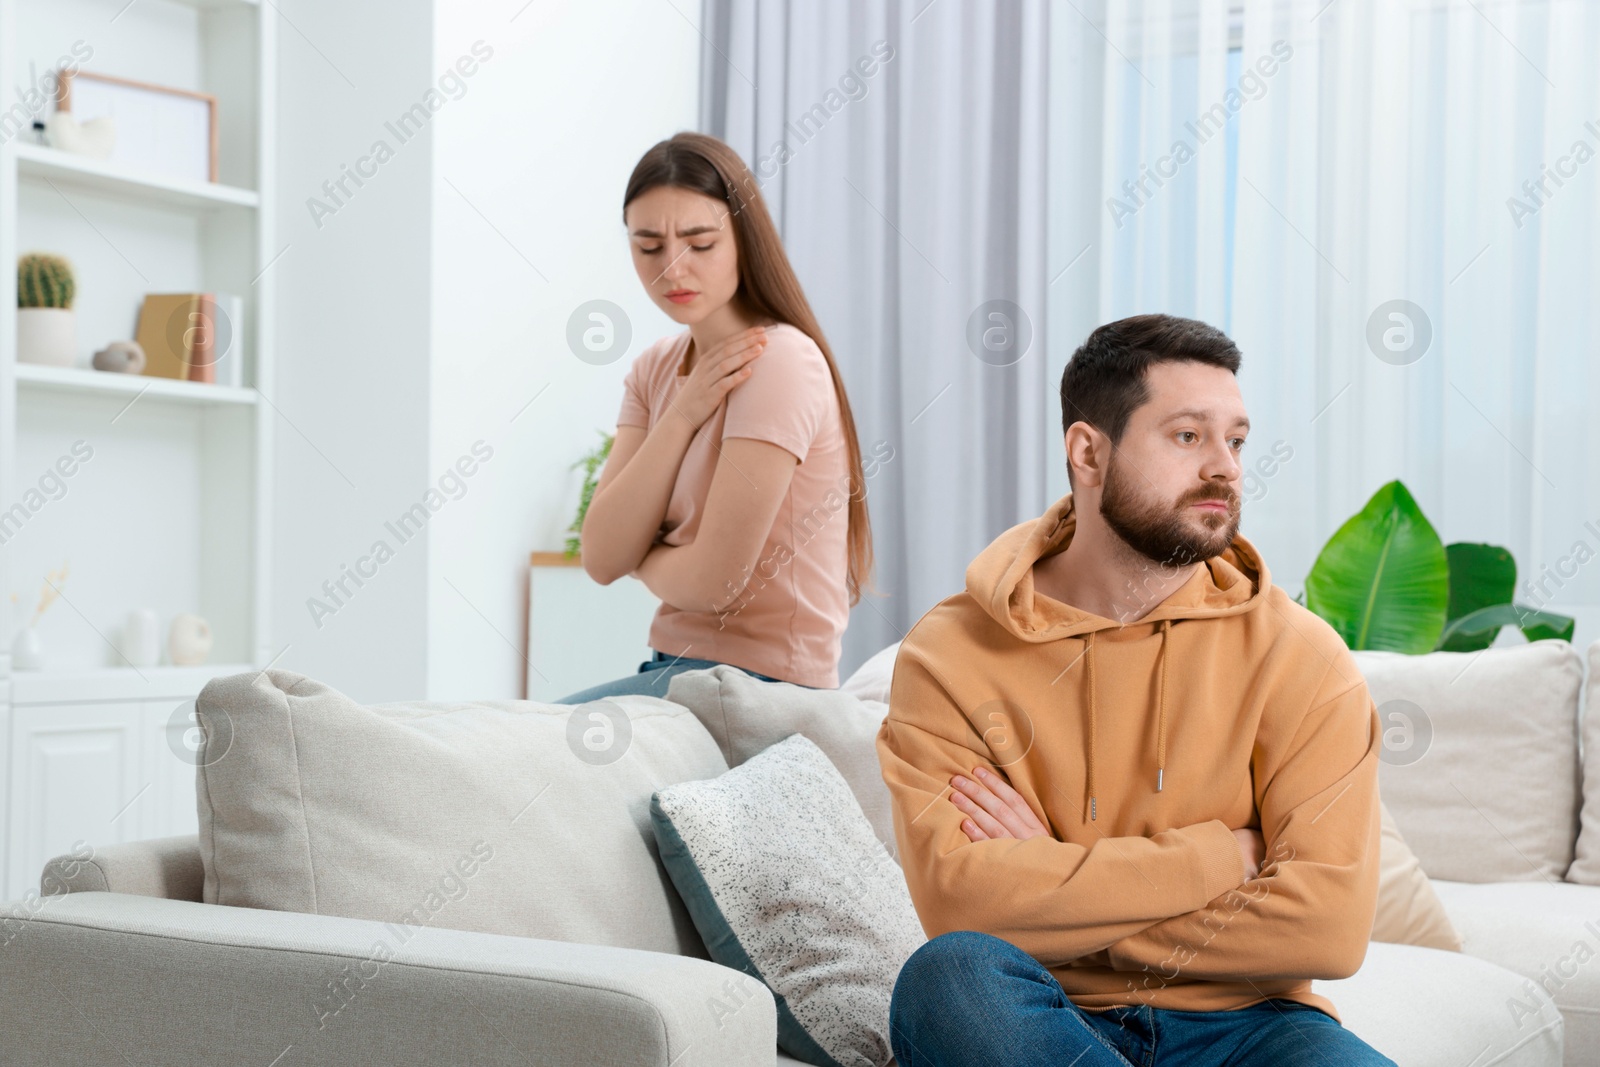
[{"x": 767, "y": 283}]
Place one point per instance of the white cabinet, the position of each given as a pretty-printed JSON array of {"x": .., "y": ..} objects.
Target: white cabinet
[
  {"x": 86, "y": 761},
  {"x": 76, "y": 774},
  {"x": 581, "y": 633},
  {"x": 171, "y": 735}
]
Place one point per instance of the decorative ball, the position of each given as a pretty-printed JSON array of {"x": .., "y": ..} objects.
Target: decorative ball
[
  {"x": 120, "y": 357},
  {"x": 189, "y": 640}
]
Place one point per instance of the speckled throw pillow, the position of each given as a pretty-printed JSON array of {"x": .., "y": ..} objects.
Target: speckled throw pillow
[{"x": 786, "y": 882}]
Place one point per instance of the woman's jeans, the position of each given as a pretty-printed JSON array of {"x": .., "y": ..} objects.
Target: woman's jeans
[
  {"x": 972, "y": 1000},
  {"x": 650, "y": 681}
]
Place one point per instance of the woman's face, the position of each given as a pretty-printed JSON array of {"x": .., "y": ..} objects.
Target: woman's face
[{"x": 683, "y": 249}]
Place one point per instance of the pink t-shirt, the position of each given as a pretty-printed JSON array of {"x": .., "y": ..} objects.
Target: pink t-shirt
[{"x": 788, "y": 621}]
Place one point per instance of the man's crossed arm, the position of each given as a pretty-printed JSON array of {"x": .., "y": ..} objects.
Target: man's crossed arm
[
  {"x": 1206, "y": 900},
  {"x": 1290, "y": 919}
]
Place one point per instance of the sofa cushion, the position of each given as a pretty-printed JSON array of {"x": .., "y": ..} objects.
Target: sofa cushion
[
  {"x": 1463, "y": 1013},
  {"x": 1480, "y": 757},
  {"x": 871, "y": 680},
  {"x": 787, "y": 882},
  {"x": 747, "y": 716},
  {"x": 1426, "y": 1008},
  {"x": 1586, "y": 864},
  {"x": 1549, "y": 932},
  {"x": 505, "y": 817},
  {"x": 1408, "y": 910}
]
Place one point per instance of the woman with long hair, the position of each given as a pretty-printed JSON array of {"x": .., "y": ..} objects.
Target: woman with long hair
[{"x": 734, "y": 489}]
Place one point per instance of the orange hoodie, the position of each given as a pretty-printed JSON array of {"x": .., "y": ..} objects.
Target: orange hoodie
[{"x": 1142, "y": 747}]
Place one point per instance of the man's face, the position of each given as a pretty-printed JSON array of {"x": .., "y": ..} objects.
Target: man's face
[{"x": 1172, "y": 485}]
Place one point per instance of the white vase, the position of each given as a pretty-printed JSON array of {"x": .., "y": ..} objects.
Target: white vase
[
  {"x": 26, "y": 652},
  {"x": 47, "y": 335},
  {"x": 141, "y": 638}
]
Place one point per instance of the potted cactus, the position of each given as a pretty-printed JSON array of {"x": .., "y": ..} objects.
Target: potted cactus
[{"x": 45, "y": 331}]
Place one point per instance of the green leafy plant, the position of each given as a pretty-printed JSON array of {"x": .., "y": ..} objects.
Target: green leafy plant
[
  {"x": 590, "y": 464},
  {"x": 1385, "y": 581},
  {"x": 44, "y": 281}
]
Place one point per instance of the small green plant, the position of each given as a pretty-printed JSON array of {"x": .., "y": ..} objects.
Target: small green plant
[
  {"x": 1386, "y": 581},
  {"x": 590, "y": 465},
  {"x": 44, "y": 281}
]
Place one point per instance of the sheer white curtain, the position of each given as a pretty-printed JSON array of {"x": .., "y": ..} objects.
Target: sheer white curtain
[
  {"x": 1443, "y": 154},
  {"x": 901, "y": 147},
  {"x": 1140, "y": 168}
]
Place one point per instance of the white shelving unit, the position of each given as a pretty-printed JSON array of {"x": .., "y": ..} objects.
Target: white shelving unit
[{"x": 173, "y": 510}]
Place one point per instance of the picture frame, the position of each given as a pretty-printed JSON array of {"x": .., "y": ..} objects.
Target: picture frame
[{"x": 160, "y": 129}]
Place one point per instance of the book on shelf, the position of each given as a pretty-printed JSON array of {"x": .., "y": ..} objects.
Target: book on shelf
[
  {"x": 230, "y": 342},
  {"x": 193, "y": 337}
]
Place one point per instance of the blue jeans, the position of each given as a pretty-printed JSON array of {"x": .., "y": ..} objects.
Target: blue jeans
[
  {"x": 651, "y": 679},
  {"x": 972, "y": 1000}
]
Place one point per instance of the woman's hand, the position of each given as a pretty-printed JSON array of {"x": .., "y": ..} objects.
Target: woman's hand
[
  {"x": 717, "y": 372},
  {"x": 993, "y": 809}
]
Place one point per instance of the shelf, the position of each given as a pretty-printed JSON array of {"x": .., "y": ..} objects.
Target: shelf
[
  {"x": 116, "y": 683},
  {"x": 553, "y": 559},
  {"x": 79, "y": 380},
  {"x": 84, "y": 173}
]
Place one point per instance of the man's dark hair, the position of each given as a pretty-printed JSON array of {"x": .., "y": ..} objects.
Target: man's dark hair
[{"x": 1106, "y": 378}]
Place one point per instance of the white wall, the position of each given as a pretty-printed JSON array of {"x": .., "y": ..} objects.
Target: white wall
[
  {"x": 529, "y": 169},
  {"x": 430, "y": 307},
  {"x": 353, "y": 344}
]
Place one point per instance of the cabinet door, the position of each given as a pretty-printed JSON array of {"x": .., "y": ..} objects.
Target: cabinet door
[
  {"x": 75, "y": 776},
  {"x": 171, "y": 735},
  {"x": 581, "y": 634}
]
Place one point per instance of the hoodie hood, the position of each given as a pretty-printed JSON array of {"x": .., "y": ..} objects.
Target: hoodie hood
[{"x": 1000, "y": 580}]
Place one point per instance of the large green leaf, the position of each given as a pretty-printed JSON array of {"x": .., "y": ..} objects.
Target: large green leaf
[
  {"x": 1536, "y": 625},
  {"x": 1383, "y": 581},
  {"x": 1542, "y": 625},
  {"x": 1481, "y": 576}
]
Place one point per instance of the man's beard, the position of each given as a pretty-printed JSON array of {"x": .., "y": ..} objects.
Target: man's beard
[{"x": 1162, "y": 532}]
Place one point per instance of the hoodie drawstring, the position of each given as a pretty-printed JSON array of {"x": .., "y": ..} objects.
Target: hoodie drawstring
[
  {"x": 1161, "y": 705},
  {"x": 1161, "y": 715},
  {"x": 1088, "y": 653}
]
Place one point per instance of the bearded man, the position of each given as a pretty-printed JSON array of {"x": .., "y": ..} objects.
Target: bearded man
[{"x": 1135, "y": 784}]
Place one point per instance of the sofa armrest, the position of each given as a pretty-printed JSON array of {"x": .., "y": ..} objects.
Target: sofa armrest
[
  {"x": 108, "y": 978},
  {"x": 167, "y": 867}
]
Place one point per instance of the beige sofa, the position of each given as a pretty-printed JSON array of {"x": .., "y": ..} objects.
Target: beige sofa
[
  {"x": 118, "y": 961},
  {"x": 1503, "y": 811}
]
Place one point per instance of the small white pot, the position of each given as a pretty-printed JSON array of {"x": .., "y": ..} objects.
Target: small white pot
[
  {"x": 47, "y": 335},
  {"x": 141, "y": 638}
]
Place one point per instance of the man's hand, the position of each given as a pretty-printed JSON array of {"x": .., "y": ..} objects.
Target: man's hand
[
  {"x": 993, "y": 809},
  {"x": 1252, "y": 850}
]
